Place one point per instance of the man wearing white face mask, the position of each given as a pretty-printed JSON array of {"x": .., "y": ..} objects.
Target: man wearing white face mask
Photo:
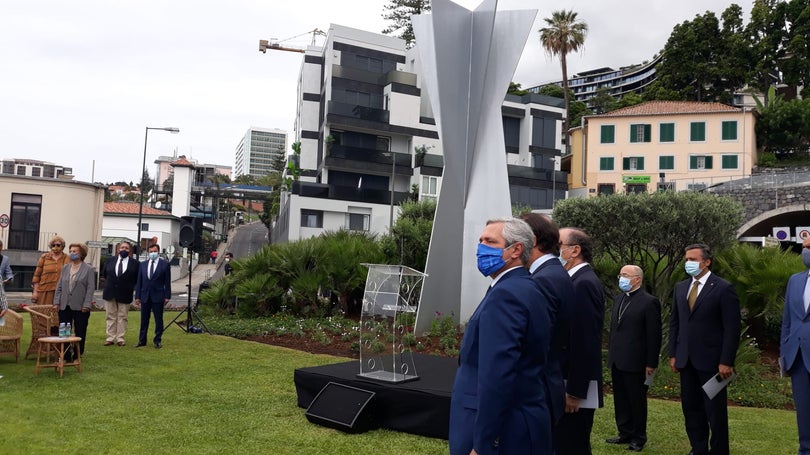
[
  {"x": 794, "y": 346},
  {"x": 152, "y": 292},
  {"x": 633, "y": 352},
  {"x": 704, "y": 332}
]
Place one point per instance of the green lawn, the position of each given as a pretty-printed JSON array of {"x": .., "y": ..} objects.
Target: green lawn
[{"x": 208, "y": 394}]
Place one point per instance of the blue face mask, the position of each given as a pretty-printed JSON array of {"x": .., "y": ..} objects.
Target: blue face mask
[
  {"x": 692, "y": 268},
  {"x": 490, "y": 259},
  {"x": 624, "y": 283},
  {"x": 806, "y": 257},
  {"x": 153, "y": 255},
  {"x": 74, "y": 256}
]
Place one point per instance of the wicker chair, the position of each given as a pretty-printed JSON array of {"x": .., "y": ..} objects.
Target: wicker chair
[
  {"x": 44, "y": 323},
  {"x": 10, "y": 335}
]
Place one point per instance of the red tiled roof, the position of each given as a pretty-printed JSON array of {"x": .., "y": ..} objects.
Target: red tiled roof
[
  {"x": 670, "y": 108},
  {"x": 182, "y": 162},
  {"x": 131, "y": 208}
]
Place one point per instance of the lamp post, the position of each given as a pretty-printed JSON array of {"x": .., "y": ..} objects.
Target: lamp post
[
  {"x": 553, "y": 182},
  {"x": 391, "y": 207},
  {"x": 172, "y": 130}
]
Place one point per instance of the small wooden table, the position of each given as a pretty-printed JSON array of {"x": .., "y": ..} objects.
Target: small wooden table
[{"x": 58, "y": 346}]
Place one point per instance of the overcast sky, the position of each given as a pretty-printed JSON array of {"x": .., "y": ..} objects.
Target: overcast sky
[{"x": 80, "y": 80}]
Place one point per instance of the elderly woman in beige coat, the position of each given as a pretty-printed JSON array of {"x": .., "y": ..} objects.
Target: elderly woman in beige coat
[{"x": 74, "y": 292}]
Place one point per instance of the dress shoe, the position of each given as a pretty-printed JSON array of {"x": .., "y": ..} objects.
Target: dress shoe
[
  {"x": 158, "y": 345},
  {"x": 617, "y": 440},
  {"x": 108, "y": 343},
  {"x": 635, "y": 447},
  {"x": 121, "y": 343},
  {"x": 140, "y": 344}
]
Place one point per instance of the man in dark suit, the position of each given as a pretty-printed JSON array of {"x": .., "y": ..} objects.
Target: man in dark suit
[
  {"x": 152, "y": 292},
  {"x": 547, "y": 271},
  {"x": 704, "y": 332},
  {"x": 794, "y": 346},
  {"x": 120, "y": 275},
  {"x": 582, "y": 356},
  {"x": 634, "y": 347},
  {"x": 498, "y": 404}
]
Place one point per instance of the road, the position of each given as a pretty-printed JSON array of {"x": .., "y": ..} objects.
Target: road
[{"x": 244, "y": 241}]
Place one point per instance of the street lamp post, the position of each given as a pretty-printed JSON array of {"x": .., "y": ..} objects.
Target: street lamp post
[
  {"x": 553, "y": 182},
  {"x": 172, "y": 130},
  {"x": 391, "y": 207}
]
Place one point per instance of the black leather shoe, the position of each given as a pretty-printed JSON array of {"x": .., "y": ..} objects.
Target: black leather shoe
[
  {"x": 158, "y": 345},
  {"x": 635, "y": 447},
  {"x": 617, "y": 440},
  {"x": 140, "y": 344}
]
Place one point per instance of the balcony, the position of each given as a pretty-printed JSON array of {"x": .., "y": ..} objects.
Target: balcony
[
  {"x": 358, "y": 112},
  {"x": 347, "y": 193},
  {"x": 369, "y": 77}
]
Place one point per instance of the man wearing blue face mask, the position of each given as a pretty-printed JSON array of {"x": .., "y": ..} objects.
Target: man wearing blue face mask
[
  {"x": 120, "y": 277},
  {"x": 794, "y": 346},
  {"x": 633, "y": 350},
  {"x": 704, "y": 332},
  {"x": 152, "y": 292},
  {"x": 498, "y": 404}
]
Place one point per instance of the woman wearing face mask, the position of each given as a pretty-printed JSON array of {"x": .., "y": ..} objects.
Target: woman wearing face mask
[
  {"x": 74, "y": 292},
  {"x": 47, "y": 272}
]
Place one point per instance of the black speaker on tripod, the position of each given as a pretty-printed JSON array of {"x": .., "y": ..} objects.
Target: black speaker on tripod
[{"x": 191, "y": 233}]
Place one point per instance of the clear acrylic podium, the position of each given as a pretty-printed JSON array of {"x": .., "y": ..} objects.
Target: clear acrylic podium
[{"x": 387, "y": 323}]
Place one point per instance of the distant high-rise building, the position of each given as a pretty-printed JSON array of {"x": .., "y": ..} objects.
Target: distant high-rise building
[{"x": 256, "y": 151}]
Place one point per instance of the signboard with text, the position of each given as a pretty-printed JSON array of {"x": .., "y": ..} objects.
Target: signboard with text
[{"x": 635, "y": 179}]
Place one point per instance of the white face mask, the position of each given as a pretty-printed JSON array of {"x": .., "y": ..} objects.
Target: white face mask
[{"x": 153, "y": 255}]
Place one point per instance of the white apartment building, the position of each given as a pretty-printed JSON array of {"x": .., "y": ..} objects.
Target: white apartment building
[{"x": 257, "y": 149}]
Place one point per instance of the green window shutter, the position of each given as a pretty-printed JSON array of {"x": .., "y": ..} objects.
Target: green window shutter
[
  {"x": 730, "y": 130},
  {"x": 729, "y": 162},
  {"x": 647, "y": 132},
  {"x": 697, "y": 132},
  {"x": 606, "y": 164},
  {"x": 633, "y": 136},
  {"x": 666, "y": 162},
  {"x": 607, "y": 133},
  {"x": 626, "y": 164},
  {"x": 693, "y": 162},
  {"x": 640, "y": 163},
  {"x": 666, "y": 132},
  {"x": 708, "y": 162}
]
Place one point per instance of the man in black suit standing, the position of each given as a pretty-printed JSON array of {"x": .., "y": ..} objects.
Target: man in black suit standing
[
  {"x": 633, "y": 351},
  {"x": 120, "y": 276},
  {"x": 582, "y": 357},
  {"x": 704, "y": 332},
  {"x": 152, "y": 292},
  {"x": 547, "y": 271}
]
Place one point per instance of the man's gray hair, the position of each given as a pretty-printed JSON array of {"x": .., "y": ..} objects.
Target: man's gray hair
[{"x": 514, "y": 231}]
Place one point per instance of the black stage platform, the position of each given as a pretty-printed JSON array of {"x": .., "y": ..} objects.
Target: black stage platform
[{"x": 418, "y": 407}]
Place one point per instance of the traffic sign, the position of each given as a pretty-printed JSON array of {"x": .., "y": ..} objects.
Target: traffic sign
[{"x": 4, "y": 220}]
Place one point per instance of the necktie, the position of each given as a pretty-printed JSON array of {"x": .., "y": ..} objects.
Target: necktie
[
  {"x": 120, "y": 267},
  {"x": 151, "y": 269},
  {"x": 693, "y": 293}
]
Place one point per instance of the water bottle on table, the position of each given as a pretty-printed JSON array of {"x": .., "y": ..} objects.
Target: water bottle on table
[
  {"x": 67, "y": 330},
  {"x": 62, "y": 330}
]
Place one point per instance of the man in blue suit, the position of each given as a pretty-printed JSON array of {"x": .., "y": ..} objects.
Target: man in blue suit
[
  {"x": 498, "y": 405},
  {"x": 794, "y": 346},
  {"x": 547, "y": 271},
  {"x": 704, "y": 331},
  {"x": 581, "y": 359},
  {"x": 152, "y": 292}
]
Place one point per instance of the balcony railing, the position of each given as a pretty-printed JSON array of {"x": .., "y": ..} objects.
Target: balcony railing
[
  {"x": 360, "y": 112},
  {"x": 347, "y": 193},
  {"x": 369, "y": 155}
]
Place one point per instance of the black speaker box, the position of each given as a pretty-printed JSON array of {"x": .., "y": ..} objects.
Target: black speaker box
[
  {"x": 343, "y": 408},
  {"x": 191, "y": 233}
]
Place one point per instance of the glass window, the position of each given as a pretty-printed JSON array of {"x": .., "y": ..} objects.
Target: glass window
[
  {"x": 606, "y": 163},
  {"x": 729, "y": 130},
  {"x": 604, "y": 189},
  {"x": 697, "y": 131},
  {"x": 24, "y": 224},
  {"x": 666, "y": 163},
  {"x": 666, "y": 132},
  {"x": 311, "y": 218},
  {"x": 640, "y": 132},
  {"x": 608, "y": 134},
  {"x": 698, "y": 162},
  {"x": 729, "y": 162},
  {"x": 633, "y": 163},
  {"x": 357, "y": 221},
  {"x": 429, "y": 188}
]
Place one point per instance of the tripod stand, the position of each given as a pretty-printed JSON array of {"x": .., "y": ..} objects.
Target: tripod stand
[{"x": 191, "y": 313}]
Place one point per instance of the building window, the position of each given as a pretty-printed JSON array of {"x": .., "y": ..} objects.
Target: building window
[
  {"x": 312, "y": 218},
  {"x": 606, "y": 163},
  {"x": 20, "y": 170},
  {"x": 36, "y": 171},
  {"x": 636, "y": 188},
  {"x": 429, "y": 188},
  {"x": 608, "y": 134},
  {"x": 729, "y": 130},
  {"x": 729, "y": 162},
  {"x": 605, "y": 189},
  {"x": 357, "y": 221},
  {"x": 697, "y": 131},
  {"x": 26, "y": 210},
  {"x": 666, "y": 132},
  {"x": 666, "y": 163},
  {"x": 640, "y": 132},
  {"x": 700, "y": 162},
  {"x": 633, "y": 163}
]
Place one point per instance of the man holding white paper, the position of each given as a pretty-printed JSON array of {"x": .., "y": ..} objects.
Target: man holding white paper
[
  {"x": 794, "y": 346},
  {"x": 704, "y": 332}
]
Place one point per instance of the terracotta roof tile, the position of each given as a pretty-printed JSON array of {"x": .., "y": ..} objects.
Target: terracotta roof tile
[
  {"x": 670, "y": 108},
  {"x": 182, "y": 162},
  {"x": 131, "y": 208}
]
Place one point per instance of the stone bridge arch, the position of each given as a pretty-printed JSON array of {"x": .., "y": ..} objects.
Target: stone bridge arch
[{"x": 761, "y": 225}]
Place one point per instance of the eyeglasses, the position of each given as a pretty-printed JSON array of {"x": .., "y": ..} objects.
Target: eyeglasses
[{"x": 56, "y": 244}]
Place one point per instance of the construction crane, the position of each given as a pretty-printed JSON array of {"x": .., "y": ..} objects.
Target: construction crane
[{"x": 274, "y": 44}]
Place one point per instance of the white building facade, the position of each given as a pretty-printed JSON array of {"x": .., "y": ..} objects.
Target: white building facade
[{"x": 257, "y": 150}]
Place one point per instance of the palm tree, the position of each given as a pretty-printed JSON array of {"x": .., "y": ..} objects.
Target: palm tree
[{"x": 564, "y": 34}]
